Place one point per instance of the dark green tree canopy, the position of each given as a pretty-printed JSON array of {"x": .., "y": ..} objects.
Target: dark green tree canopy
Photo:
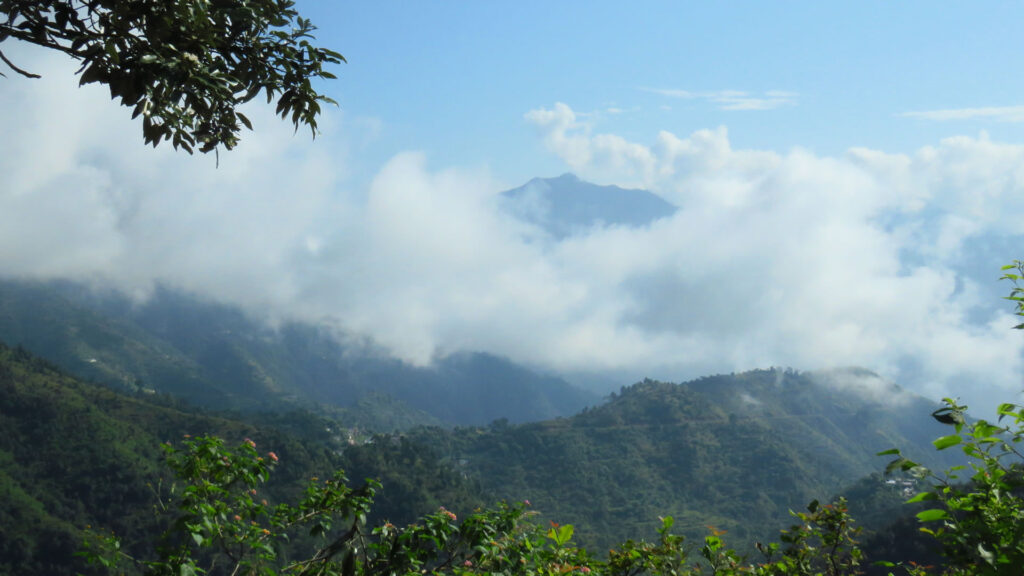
[{"x": 183, "y": 65}]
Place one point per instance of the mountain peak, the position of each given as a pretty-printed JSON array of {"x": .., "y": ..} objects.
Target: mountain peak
[{"x": 567, "y": 206}]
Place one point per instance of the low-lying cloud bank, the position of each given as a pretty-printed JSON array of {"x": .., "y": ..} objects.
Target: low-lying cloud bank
[{"x": 773, "y": 259}]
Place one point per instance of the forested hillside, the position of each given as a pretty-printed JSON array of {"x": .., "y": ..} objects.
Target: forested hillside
[
  {"x": 74, "y": 454},
  {"x": 215, "y": 355},
  {"x": 735, "y": 452}
]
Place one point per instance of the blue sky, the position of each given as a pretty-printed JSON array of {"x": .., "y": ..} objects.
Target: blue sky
[
  {"x": 850, "y": 177},
  {"x": 455, "y": 78}
]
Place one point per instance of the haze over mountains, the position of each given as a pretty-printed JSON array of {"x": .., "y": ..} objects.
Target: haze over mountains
[
  {"x": 214, "y": 355},
  {"x": 762, "y": 261},
  {"x": 736, "y": 451},
  {"x": 177, "y": 341},
  {"x": 219, "y": 355}
]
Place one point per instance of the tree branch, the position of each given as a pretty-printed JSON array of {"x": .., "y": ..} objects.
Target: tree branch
[{"x": 24, "y": 73}]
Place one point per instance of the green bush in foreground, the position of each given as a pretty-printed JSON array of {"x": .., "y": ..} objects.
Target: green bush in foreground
[
  {"x": 978, "y": 516},
  {"x": 222, "y": 525}
]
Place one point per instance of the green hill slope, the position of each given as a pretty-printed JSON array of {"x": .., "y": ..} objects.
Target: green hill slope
[
  {"x": 74, "y": 454},
  {"x": 734, "y": 452}
]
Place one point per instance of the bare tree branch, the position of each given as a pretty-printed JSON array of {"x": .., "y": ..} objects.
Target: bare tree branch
[{"x": 24, "y": 73}]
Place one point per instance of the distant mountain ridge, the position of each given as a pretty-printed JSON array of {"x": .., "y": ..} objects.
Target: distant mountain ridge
[
  {"x": 566, "y": 205},
  {"x": 214, "y": 355},
  {"x": 732, "y": 451}
]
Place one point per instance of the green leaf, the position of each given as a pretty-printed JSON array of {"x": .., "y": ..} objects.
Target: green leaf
[
  {"x": 984, "y": 429},
  {"x": 922, "y": 496},
  {"x": 947, "y": 441},
  {"x": 932, "y": 515}
]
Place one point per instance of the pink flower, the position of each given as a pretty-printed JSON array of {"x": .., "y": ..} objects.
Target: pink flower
[
  {"x": 467, "y": 563},
  {"x": 250, "y": 443},
  {"x": 585, "y": 570},
  {"x": 272, "y": 456},
  {"x": 526, "y": 503},
  {"x": 237, "y": 517},
  {"x": 451, "y": 515}
]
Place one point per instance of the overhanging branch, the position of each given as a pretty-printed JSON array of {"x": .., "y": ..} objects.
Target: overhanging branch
[{"x": 12, "y": 66}]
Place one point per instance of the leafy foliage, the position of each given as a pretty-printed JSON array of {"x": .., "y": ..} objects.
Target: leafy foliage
[
  {"x": 183, "y": 65},
  {"x": 1017, "y": 292},
  {"x": 74, "y": 454},
  {"x": 977, "y": 511},
  {"x": 220, "y": 528}
]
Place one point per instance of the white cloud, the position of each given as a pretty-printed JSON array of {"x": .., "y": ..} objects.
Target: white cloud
[
  {"x": 800, "y": 260},
  {"x": 786, "y": 259},
  {"x": 734, "y": 99},
  {"x": 1009, "y": 114},
  {"x": 570, "y": 139}
]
